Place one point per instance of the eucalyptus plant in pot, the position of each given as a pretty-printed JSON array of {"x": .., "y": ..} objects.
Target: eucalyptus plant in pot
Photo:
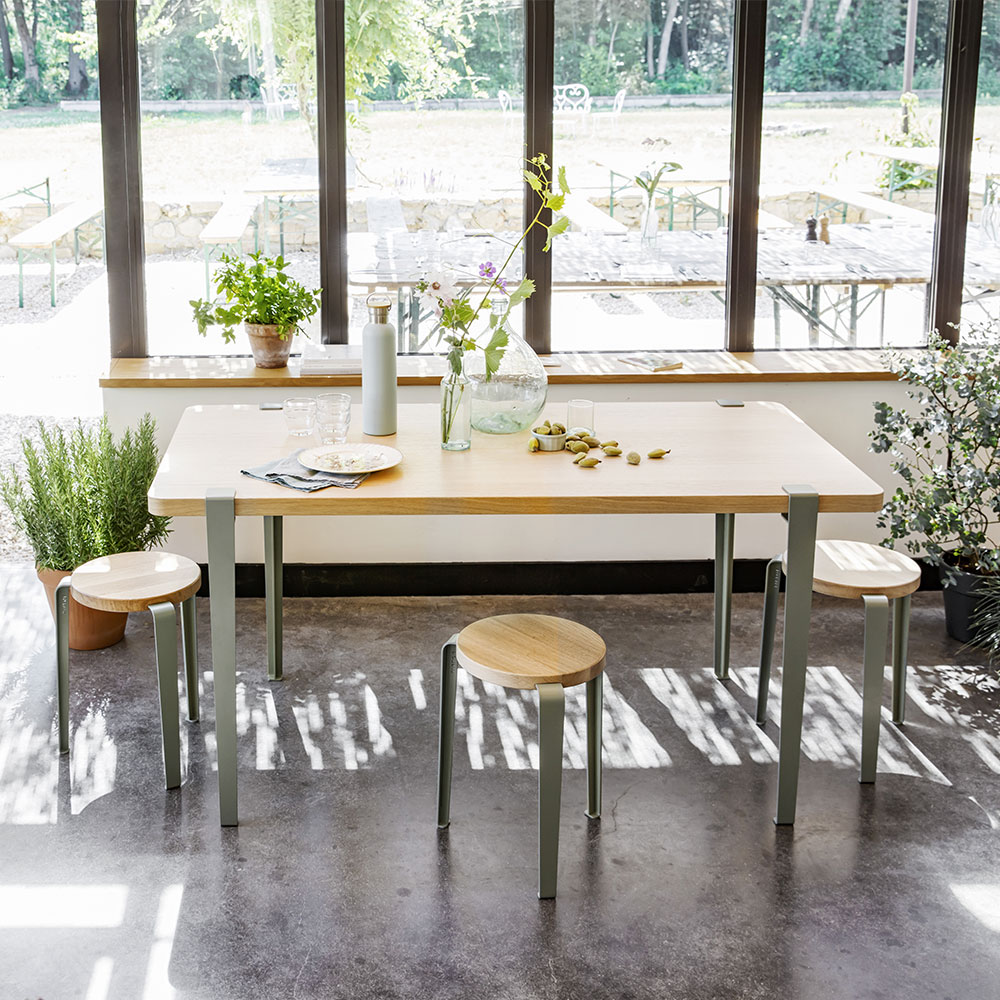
[
  {"x": 269, "y": 303},
  {"x": 946, "y": 449},
  {"x": 81, "y": 496}
]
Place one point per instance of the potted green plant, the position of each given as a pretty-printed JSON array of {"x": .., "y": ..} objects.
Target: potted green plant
[
  {"x": 647, "y": 180},
  {"x": 82, "y": 496},
  {"x": 260, "y": 295},
  {"x": 946, "y": 449}
]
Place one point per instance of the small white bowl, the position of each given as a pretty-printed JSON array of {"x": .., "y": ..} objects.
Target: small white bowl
[{"x": 550, "y": 442}]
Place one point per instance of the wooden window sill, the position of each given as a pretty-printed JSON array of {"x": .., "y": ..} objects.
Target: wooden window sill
[{"x": 699, "y": 366}]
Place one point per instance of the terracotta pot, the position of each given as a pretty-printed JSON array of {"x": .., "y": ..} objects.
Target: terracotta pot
[
  {"x": 269, "y": 350},
  {"x": 88, "y": 628}
]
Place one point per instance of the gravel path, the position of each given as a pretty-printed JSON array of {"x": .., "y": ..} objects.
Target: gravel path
[{"x": 13, "y": 545}]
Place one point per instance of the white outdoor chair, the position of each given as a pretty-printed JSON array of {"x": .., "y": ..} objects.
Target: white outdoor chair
[{"x": 609, "y": 115}]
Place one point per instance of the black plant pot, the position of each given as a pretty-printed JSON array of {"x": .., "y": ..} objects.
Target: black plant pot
[{"x": 961, "y": 599}]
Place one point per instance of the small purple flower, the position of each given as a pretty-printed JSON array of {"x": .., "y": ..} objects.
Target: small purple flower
[
  {"x": 502, "y": 285},
  {"x": 487, "y": 270}
]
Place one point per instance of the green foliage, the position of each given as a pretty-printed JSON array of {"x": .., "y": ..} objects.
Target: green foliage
[
  {"x": 917, "y": 134},
  {"x": 260, "y": 292},
  {"x": 946, "y": 449},
  {"x": 83, "y": 496},
  {"x": 650, "y": 177}
]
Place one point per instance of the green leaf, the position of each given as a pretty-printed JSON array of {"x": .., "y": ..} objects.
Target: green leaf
[
  {"x": 533, "y": 180},
  {"x": 563, "y": 183},
  {"x": 494, "y": 352},
  {"x": 555, "y": 201},
  {"x": 523, "y": 291},
  {"x": 558, "y": 227}
]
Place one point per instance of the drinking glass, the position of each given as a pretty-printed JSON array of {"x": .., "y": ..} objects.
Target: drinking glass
[
  {"x": 334, "y": 415},
  {"x": 580, "y": 415},
  {"x": 300, "y": 415}
]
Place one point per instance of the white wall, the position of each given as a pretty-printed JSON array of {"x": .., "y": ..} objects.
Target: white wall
[{"x": 840, "y": 411}]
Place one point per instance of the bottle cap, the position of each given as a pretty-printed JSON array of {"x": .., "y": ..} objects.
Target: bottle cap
[{"x": 379, "y": 305}]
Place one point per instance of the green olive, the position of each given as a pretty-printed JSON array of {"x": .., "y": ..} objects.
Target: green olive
[
  {"x": 606, "y": 444},
  {"x": 579, "y": 447},
  {"x": 588, "y": 463},
  {"x": 592, "y": 441},
  {"x": 542, "y": 429},
  {"x": 558, "y": 428},
  {"x": 659, "y": 452},
  {"x": 633, "y": 458},
  {"x": 579, "y": 458},
  {"x": 611, "y": 450},
  {"x": 533, "y": 445}
]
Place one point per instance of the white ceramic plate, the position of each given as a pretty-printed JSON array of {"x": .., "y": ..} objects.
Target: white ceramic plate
[{"x": 350, "y": 458}]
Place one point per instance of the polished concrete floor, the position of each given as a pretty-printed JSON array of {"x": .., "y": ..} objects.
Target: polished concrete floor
[{"x": 337, "y": 884}]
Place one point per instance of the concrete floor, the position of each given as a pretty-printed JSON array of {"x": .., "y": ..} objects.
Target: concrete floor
[{"x": 337, "y": 884}]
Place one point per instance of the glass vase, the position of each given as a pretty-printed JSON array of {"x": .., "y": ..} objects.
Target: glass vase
[
  {"x": 456, "y": 409},
  {"x": 649, "y": 225},
  {"x": 508, "y": 401}
]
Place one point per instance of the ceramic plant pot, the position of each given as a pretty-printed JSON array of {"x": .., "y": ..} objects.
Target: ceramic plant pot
[
  {"x": 269, "y": 350},
  {"x": 88, "y": 627},
  {"x": 961, "y": 599}
]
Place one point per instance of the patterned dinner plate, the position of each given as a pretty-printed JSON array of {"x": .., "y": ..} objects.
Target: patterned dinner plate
[{"x": 350, "y": 458}]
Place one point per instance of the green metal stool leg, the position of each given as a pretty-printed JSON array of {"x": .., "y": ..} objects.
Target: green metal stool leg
[
  {"x": 62, "y": 661},
  {"x": 273, "y": 580},
  {"x": 595, "y": 718},
  {"x": 189, "y": 634},
  {"x": 220, "y": 527},
  {"x": 876, "y": 633},
  {"x": 551, "y": 711},
  {"x": 803, "y": 508},
  {"x": 724, "y": 527},
  {"x": 900, "y": 642},
  {"x": 165, "y": 635},
  {"x": 446, "y": 731},
  {"x": 772, "y": 587}
]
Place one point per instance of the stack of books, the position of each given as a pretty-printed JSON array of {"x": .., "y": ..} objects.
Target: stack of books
[{"x": 331, "y": 359}]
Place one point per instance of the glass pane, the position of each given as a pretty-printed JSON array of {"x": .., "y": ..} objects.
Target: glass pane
[
  {"x": 844, "y": 157},
  {"x": 642, "y": 109},
  {"x": 435, "y": 135},
  {"x": 55, "y": 303},
  {"x": 982, "y": 251},
  {"x": 228, "y": 152}
]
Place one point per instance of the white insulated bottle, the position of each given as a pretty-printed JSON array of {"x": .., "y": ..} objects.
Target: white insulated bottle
[{"x": 378, "y": 369}]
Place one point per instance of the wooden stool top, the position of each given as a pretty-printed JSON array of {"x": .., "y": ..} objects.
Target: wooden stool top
[
  {"x": 522, "y": 651},
  {"x": 853, "y": 569},
  {"x": 132, "y": 581}
]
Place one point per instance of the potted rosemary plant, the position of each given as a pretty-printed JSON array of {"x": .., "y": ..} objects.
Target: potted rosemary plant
[
  {"x": 265, "y": 299},
  {"x": 946, "y": 449},
  {"x": 82, "y": 496}
]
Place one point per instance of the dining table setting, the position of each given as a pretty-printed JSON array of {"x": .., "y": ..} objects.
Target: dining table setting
[{"x": 720, "y": 458}]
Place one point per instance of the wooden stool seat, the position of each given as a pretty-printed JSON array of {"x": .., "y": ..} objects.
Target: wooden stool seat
[
  {"x": 132, "y": 581},
  {"x": 854, "y": 569},
  {"x": 523, "y": 651}
]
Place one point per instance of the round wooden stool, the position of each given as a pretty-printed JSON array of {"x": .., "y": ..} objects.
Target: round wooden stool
[
  {"x": 139, "y": 581},
  {"x": 876, "y": 575},
  {"x": 530, "y": 651}
]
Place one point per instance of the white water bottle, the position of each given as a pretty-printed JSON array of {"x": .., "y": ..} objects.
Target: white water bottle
[{"x": 378, "y": 369}]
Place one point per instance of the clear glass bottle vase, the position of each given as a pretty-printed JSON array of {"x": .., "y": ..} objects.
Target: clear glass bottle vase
[
  {"x": 509, "y": 400},
  {"x": 456, "y": 412}
]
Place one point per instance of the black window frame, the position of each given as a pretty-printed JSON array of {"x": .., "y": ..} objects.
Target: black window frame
[{"x": 120, "y": 131}]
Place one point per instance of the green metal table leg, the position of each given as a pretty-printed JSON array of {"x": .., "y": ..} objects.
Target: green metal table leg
[
  {"x": 876, "y": 633},
  {"x": 551, "y": 711},
  {"x": 595, "y": 719},
  {"x": 52, "y": 276},
  {"x": 803, "y": 507},
  {"x": 772, "y": 588},
  {"x": 900, "y": 641},
  {"x": 273, "y": 593},
  {"x": 20, "y": 279},
  {"x": 220, "y": 520},
  {"x": 165, "y": 637},
  {"x": 189, "y": 635},
  {"x": 446, "y": 731},
  {"x": 724, "y": 527},
  {"x": 62, "y": 661}
]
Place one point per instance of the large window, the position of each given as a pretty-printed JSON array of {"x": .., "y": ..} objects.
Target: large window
[
  {"x": 53, "y": 293},
  {"x": 656, "y": 118},
  {"x": 641, "y": 123},
  {"x": 229, "y": 164},
  {"x": 846, "y": 223},
  {"x": 435, "y": 129}
]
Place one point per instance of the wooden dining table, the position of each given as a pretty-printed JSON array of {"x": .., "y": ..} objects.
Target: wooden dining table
[{"x": 725, "y": 458}]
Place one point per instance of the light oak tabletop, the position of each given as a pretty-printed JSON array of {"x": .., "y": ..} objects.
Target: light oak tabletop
[{"x": 722, "y": 460}]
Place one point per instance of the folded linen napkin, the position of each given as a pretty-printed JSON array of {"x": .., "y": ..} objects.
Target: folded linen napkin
[{"x": 290, "y": 472}]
